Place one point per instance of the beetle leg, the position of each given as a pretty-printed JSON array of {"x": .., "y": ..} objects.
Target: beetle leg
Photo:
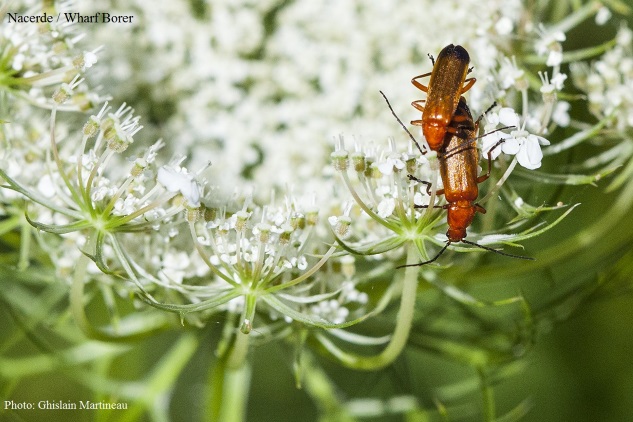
[
  {"x": 459, "y": 130},
  {"x": 418, "y": 105},
  {"x": 427, "y": 184},
  {"x": 415, "y": 179},
  {"x": 483, "y": 177},
  {"x": 469, "y": 84},
  {"x": 432, "y": 59},
  {"x": 419, "y": 85}
]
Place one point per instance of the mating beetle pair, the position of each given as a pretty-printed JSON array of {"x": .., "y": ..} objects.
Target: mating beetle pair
[{"x": 449, "y": 129}]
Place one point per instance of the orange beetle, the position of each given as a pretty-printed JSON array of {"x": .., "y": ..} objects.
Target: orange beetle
[
  {"x": 443, "y": 92},
  {"x": 458, "y": 161}
]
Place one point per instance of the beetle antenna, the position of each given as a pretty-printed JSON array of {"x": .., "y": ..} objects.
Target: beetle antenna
[
  {"x": 430, "y": 260},
  {"x": 402, "y": 124},
  {"x": 493, "y": 105},
  {"x": 496, "y": 251},
  {"x": 496, "y": 130}
]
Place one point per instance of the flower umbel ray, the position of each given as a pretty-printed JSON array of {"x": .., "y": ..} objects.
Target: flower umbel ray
[
  {"x": 82, "y": 197},
  {"x": 257, "y": 253}
]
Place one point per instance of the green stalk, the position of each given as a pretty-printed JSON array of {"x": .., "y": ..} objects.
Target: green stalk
[
  {"x": 323, "y": 392},
  {"x": 77, "y": 291},
  {"x": 248, "y": 314},
  {"x": 487, "y": 395},
  {"x": 230, "y": 382},
  {"x": 401, "y": 331},
  {"x": 237, "y": 355},
  {"x": 80, "y": 278},
  {"x": 25, "y": 244}
]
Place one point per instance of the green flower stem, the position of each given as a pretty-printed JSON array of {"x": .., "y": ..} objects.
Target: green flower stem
[
  {"x": 493, "y": 191},
  {"x": 323, "y": 391},
  {"x": 25, "y": 244},
  {"x": 235, "y": 394},
  {"x": 248, "y": 314},
  {"x": 58, "y": 160},
  {"x": 31, "y": 80},
  {"x": 230, "y": 382},
  {"x": 364, "y": 206},
  {"x": 159, "y": 383},
  {"x": 156, "y": 203},
  {"x": 576, "y": 17},
  {"x": 487, "y": 395},
  {"x": 237, "y": 355},
  {"x": 77, "y": 291},
  {"x": 80, "y": 278},
  {"x": 403, "y": 324},
  {"x": 207, "y": 259}
]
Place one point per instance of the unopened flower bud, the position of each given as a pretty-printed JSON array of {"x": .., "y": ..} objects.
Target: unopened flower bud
[
  {"x": 61, "y": 94},
  {"x": 358, "y": 161},
  {"x": 139, "y": 166},
  {"x": 241, "y": 220},
  {"x": 411, "y": 165},
  {"x": 91, "y": 127},
  {"x": 298, "y": 221},
  {"x": 119, "y": 143},
  {"x": 263, "y": 229},
  {"x": 192, "y": 215},
  {"x": 341, "y": 228},
  {"x": 210, "y": 214},
  {"x": 312, "y": 217},
  {"x": 286, "y": 234},
  {"x": 339, "y": 160}
]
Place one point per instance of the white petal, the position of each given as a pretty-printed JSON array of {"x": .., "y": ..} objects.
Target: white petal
[
  {"x": 492, "y": 119},
  {"x": 386, "y": 167},
  {"x": 169, "y": 178},
  {"x": 504, "y": 26},
  {"x": 192, "y": 194},
  {"x": 530, "y": 155},
  {"x": 554, "y": 58},
  {"x": 559, "y": 79},
  {"x": 511, "y": 146},
  {"x": 175, "y": 181},
  {"x": 386, "y": 207},
  {"x": 489, "y": 142},
  {"x": 508, "y": 117},
  {"x": 46, "y": 186},
  {"x": 538, "y": 139}
]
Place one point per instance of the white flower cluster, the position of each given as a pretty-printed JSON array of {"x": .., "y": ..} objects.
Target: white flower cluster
[
  {"x": 526, "y": 146},
  {"x": 260, "y": 88},
  {"x": 265, "y": 249},
  {"x": 609, "y": 82},
  {"x": 336, "y": 310},
  {"x": 37, "y": 56}
]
